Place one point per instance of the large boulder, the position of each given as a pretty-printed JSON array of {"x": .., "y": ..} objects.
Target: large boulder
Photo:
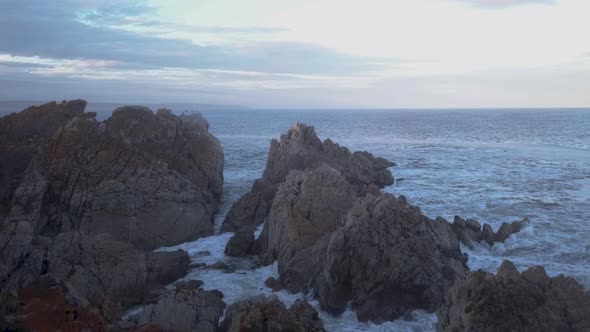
[
  {"x": 513, "y": 301},
  {"x": 388, "y": 259},
  {"x": 262, "y": 313},
  {"x": 301, "y": 149},
  {"x": 308, "y": 206},
  {"x": 184, "y": 310}
]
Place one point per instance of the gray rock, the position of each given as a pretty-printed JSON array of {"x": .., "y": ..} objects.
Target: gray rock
[
  {"x": 388, "y": 259},
  {"x": 184, "y": 310},
  {"x": 469, "y": 231},
  {"x": 512, "y": 301},
  {"x": 241, "y": 244}
]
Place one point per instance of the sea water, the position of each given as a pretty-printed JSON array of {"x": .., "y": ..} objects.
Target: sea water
[{"x": 494, "y": 165}]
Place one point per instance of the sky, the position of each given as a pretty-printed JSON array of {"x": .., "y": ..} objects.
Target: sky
[{"x": 299, "y": 53}]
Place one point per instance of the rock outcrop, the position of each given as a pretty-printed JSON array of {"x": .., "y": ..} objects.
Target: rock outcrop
[
  {"x": 513, "y": 301},
  {"x": 184, "y": 309},
  {"x": 301, "y": 149},
  {"x": 470, "y": 231},
  {"x": 262, "y": 313},
  {"x": 388, "y": 259},
  {"x": 80, "y": 200},
  {"x": 49, "y": 305}
]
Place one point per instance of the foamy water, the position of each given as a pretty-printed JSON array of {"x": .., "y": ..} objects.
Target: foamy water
[{"x": 491, "y": 165}]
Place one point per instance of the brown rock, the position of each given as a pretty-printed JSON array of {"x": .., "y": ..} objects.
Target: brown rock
[
  {"x": 269, "y": 314},
  {"x": 512, "y": 301}
]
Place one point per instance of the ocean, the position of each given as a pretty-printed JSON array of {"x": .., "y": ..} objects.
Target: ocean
[{"x": 493, "y": 165}]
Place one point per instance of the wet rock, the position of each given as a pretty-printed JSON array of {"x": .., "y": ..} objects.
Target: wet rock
[
  {"x": 262, "y": 313},
  {"x": 300, "y": 149},
  {"x": 389, "y": 258},
  {"x": 184, "y": 310},
  {"x": 469, "y": 231},
  {"x": 241, "y": 244},
  {"x": 220, "y": 265},
  {"x": 188, "y": 284},
  {"x": 513, "y": 301},
  {"x": 50, "y": 305}
]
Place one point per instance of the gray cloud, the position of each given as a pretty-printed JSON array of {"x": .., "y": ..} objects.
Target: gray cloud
[{"x": 53, "y": 30}]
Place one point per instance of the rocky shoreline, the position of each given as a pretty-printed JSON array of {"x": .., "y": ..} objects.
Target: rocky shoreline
[{"x": 84, "y": 203}]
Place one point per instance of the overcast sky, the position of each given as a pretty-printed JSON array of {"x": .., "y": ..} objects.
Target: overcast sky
[{"x": 299, "y": 53}]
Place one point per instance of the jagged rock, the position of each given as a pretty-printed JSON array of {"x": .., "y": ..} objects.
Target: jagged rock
[
  {"x": 269, "y": 314},
  {"x": 301, "y": 149},
  {"x": 512, "y": 301},
  {"x": 242, "y": 243},
  {"x": 249, "y": 210},
  {"x": 308, "y": 206},
  {"x": 49, "y": 305},
  {"x": 470, "y": 231},
  {"x": 182, "y": 310},
  {"x": 389, "y": 258}
]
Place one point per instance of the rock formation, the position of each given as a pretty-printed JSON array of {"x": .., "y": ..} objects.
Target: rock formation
[
  {"x": 301, "y": 149},
  {"x": 513, "y": 301},
  {"x": 470, "y": 231},
  {"x": 184, "y": 309},
  {"x": 80, "y": 200},
  {"x": 389, "y": 258},
  {"x": 269, "y": 314}
]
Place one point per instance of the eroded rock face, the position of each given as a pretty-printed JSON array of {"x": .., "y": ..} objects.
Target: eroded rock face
[
  {"x": 470, "y": 231},
  {"x": 301, "y": 149},
  {"x": 82, "y": 199},
  {"x": 262, "y": 313},
  {"x": 388, "y": 259},
  {"x": 49, "y": 305},
  {"x": 513, "y": 301},
  {"x": 183, "y": 309}
]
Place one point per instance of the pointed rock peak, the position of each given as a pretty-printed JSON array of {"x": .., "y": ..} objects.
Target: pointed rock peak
[
  {"x": 302, "y": 134},
  {"x": 507, "y": 270}
]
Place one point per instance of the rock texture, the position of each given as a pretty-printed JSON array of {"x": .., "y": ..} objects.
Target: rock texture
[
  {"x": 184, "y": 309},
  {"x": 470, "y": 231},
  {"x": 301, "y": 149},
  {"x": 513, "y": 301},
  {"x": 389, "y": 259},
  {"x": 269, "y": 314},
  {"x": 80, "y": 200},
  {"x": 49, "y": 305}
]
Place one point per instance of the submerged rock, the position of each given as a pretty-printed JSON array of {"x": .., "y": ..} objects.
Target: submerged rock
[
  {"x": 262, "y": 313},
  {"x": 513, "y": 301},
  {"x": 470, "y": 231}
]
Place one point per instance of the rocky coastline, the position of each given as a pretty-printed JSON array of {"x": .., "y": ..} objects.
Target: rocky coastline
[{"x": 84, "y": 204}]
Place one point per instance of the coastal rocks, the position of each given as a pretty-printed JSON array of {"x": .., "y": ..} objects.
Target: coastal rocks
[
  {"x": 242, "y": 243},
  {"x": 388, "y": 259},
  {"x": 301, "y": 149},
  {"x": 513, "y": 301},
  {"x": 183, "y": 309},
  {"x": 262, "y": 313},
  {"x": 49, "y": 305},
  {"x": 470, "y": 231},
  {"x": 307, "y": 206}
]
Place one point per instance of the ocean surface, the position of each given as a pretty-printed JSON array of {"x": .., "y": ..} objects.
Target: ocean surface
[{"x": 494, "y": 165}]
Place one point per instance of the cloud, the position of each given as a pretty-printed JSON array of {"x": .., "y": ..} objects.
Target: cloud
[
  {"x": 55, "y": 30},
  {"x": 506, "y": 3}
]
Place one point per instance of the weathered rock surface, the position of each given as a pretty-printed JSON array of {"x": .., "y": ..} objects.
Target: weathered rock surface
[
  {"x": 242, "y": 243},
  {"x": 269, "y": 314},
  {"x": 49, "y": 305},
  {"x": 80, "y": 199},
  {"x": 184, "y": 309},
  {"x": 301, "y": 149},
  {"x": 388, "y": 259},
  {"x": 470, "y": 231},
  {"x": 513, "y": 301},
  {"x": 308, "y": 206}
]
